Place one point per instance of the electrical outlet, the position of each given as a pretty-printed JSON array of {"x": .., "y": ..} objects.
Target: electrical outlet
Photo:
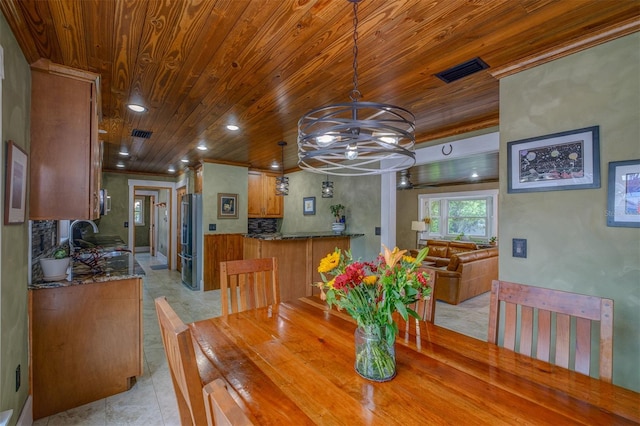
[
  {"x": 18, "y": 378},
  {"x": 126, "y": 224},
  {"x": 212, "y": 227},
  {"x": 378, "y": 230}
]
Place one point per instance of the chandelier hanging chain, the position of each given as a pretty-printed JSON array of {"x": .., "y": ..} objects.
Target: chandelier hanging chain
[
  {"x": 356, "y": 138},
  {"x": 355, "y": 93}
]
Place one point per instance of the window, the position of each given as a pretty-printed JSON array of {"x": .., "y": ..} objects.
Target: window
[
  {"x": 138, "y": 211},
  {"x": 465, "y": 214}
]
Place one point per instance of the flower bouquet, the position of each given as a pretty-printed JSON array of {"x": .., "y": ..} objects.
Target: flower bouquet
[{"x": 371, "y": 292}]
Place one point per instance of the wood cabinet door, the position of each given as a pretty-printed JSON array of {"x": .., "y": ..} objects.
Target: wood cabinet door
[
  {"x": 254, "y": 195},
  {"x": 273, "y": 204},
  {"x": 60, "y": 148}
]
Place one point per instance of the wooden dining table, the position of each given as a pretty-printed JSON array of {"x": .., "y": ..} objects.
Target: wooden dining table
[{"x": 293, "y": 364}]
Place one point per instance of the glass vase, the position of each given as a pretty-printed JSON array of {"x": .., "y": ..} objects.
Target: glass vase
[{"x": 375, "y": 357}]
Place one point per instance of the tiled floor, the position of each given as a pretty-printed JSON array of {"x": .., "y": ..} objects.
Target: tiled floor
[{"x": 152, "y": 402}]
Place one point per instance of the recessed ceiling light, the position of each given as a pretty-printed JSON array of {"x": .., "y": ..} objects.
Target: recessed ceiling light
[
  {"x": 275, "y": 165},
  {"x": 232, "y": 127},
  {"x": 171, "y": 169},
  {"x": 102, "y": 131},
  {"x": 120, "y": 165},
  {"x": 474, "y": 175},
  {"x": 124, "y": 152},
  {"x": 136, "y": 108},
  {"x": 185, "y": 160},
  {"x": 202, "y": 147}
]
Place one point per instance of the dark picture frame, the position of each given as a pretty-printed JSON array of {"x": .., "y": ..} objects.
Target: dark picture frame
[
  {"x": 309, "y": 206},
  {"x": 623, "y": 194},
  {"x": 15, "y": 189},
  {"x": 556, "y": 162},
  {"x": 227, "y": 206}
]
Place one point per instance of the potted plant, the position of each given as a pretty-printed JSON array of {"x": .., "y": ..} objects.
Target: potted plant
[
  {"x": 54, "y": 268},
  {"x": 493, "y": 241},
  {"x": 337, "y": 210}
]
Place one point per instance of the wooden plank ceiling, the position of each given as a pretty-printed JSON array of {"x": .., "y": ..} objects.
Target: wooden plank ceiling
[{"x": 199, "y": 65}]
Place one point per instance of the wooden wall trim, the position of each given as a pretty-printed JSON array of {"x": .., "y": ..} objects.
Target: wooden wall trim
[{"x": 608, "y": 33}]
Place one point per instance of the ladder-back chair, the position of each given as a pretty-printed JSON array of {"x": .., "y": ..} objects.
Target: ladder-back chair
[
  {"x": 178, "y": 347},
  {"x": 553, "y": 305},
  {"x": 249, "y": 284},
  {"x": 221, "y": 408}
]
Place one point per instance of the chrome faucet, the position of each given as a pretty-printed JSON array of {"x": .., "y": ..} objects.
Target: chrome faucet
[{"x": 93, "y": 225}]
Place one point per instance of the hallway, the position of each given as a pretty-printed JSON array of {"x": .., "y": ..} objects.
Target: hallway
[{"x": 151, "y": 401}]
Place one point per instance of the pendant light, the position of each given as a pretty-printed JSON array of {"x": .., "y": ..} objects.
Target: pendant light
[
  {"x": 356, "y": 138},
  {"x": 282, "y": 182},
  {"x": 327, "y": 188}
]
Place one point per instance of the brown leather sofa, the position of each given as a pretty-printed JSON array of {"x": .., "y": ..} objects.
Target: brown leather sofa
[
  {"x": 467, "y": 275},
  {"x": 440, "y": 251}
]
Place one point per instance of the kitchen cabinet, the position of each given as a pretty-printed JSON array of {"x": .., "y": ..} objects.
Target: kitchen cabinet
[
  {"x": 86, "y": 343},
  {"x": 65, "y": 154},
  {"x": 262, "y": 198}
]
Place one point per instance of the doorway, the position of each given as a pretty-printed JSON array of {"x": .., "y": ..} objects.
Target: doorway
[{"x": 159, "y": 218}]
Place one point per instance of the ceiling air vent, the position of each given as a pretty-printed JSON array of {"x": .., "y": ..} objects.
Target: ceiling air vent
[
  {"x": 462, "y": 70},
  {"x": 144, "y": 134}
]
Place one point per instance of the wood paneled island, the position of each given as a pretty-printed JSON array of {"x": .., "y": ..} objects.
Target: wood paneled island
[{"x": 298, "y": 257}]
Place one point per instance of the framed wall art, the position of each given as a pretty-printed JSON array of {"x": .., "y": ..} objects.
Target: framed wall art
[
  {"x": 561, "y": 161},
  {"x": 227, "y": 206},
  {"x": 623, "y": 197},
  {"x": 15, "y": 190},
  {"x": 309, "y": 206}
]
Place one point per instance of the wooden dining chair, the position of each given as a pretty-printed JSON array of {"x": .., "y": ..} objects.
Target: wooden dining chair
[
  {"x": 178, "y": 347},
  {"x": 553, "y": 306},
  {"x": 221, "y": 408},
  {"x": 249, "y": 284},
  {"x": 426, "y": 310}
]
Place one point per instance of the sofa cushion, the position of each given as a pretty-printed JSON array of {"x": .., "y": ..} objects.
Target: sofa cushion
[
  {"x": 456, "y": 247},
  {"x": 437, "y": 251}
]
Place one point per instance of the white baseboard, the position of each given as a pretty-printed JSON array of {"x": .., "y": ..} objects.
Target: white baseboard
[
  {"x": 142, "y": 249},
  {"x": 26, "y": 416}
]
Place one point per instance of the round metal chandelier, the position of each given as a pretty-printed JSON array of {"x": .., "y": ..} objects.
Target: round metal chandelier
[{"x": 356, "y": 138}]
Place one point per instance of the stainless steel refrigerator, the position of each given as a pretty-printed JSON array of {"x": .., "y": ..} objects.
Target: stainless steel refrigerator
[{"x": 192, "y": 241}]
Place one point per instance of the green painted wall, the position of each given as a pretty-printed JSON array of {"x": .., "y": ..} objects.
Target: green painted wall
[
  {"x": 16, "y": 104},
  {"x": 360, "y": 196},
  {"x": 117, "y": 185},
  {"x": 222, "y": 178},
  {"x": 569, "y": 245}
]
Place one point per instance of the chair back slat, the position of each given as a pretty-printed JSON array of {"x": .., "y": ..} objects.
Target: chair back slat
[
  {"x": 583, "y": 345},
  {"x": 563, "y": 337},
  {"x": 526, "y": 330},
  {"x": 521, "y": 306},
  {"x": 178, "y": 345},
  {"x": 254, "y": 280},
  {"x": 543, "y": 350},
  {"x": 510, "y": 326},
  {"x": 221, "y": 408}
]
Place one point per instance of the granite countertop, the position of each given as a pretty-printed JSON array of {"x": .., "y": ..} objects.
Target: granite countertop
[
  {"x": 301, "y": 235},
  {"x": 106, "y": 265}
]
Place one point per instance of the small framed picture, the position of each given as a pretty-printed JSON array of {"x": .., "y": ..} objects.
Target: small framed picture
[
  {"x": 15, "y": 190},
  {"x": 623, "y": 196},
  {"x": 227, "y": 206},
  {"x": 561, "y": 161},
  {"x": 309, "y": 206}
]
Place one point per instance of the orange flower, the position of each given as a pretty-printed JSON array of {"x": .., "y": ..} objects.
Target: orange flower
[{"x": 392, "y": 257}]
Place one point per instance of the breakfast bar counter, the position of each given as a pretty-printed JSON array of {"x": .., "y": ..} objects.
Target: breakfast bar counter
[{"x": 298, "y": 256}]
